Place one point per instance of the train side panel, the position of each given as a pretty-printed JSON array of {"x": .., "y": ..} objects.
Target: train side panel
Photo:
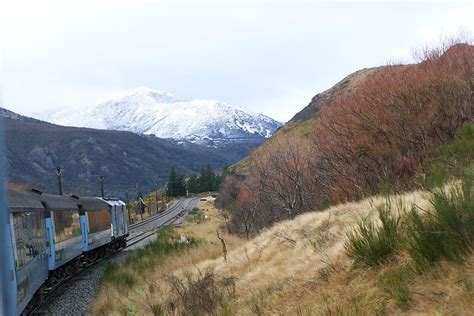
[
  {"x": 64, "y": 229},
  {"x": 67, "y": 236},
  {"x": 30, "y": 253},
  {"x": 96, "y": 223},
  {"x": 29, "y": 245},
  {"x": 99, "y": 228},
  {"x": 12, "y": 289},
  {"x": 121, "y": 218},
  {"x": 124, "y": 220}
]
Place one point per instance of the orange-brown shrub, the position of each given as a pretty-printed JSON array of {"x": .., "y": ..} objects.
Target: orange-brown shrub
[{"x": 376, "y": 133}]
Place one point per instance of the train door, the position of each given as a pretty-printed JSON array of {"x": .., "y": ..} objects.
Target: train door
[
  {"x": 124, "y": 219},
  {"x": 113, "y": 211}
]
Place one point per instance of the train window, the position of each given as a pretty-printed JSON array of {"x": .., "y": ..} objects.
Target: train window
[
  {"x": 98, "y": 220},
  {"x": 30, "y": 239},
  {"x": 66, "y": 225}
]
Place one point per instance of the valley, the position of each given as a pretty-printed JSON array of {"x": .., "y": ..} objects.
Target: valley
[{"x": 182, "y": 158}]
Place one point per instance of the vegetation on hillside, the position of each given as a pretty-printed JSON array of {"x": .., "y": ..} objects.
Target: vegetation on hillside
[
  {"x": 206, "y": 181},
  {"x": 148, "y": 282},
  {"x": 379, "y": 129},
  {"x": 398, "y": 128},
  {"x": 34, "y": 149},
  {"x": 303, "y": 266}
]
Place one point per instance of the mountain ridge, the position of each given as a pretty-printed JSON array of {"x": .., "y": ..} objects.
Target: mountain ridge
[
  {"x": 35, "y": 148},
  {"x": 152, "y": 112}
]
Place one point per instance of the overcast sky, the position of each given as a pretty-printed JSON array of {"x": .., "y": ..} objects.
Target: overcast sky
[{"x": 266, "y": 57}]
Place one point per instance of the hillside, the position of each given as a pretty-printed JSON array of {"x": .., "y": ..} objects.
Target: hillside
[
  {"x": 301, "y": 125},
  {"x": 362, "y": 204},
  {"x": 360, "y": 87},
  {"x": 298, "y": 266},
  {"x": 36, "y": 148},
  {"x": 148, "y": 111},
  {"x": 374, "y": 130}
]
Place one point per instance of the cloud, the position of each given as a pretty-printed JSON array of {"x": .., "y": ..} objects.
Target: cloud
[{"x": 268, "y": 58}]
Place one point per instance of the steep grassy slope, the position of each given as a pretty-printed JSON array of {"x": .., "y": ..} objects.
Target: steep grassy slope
[{"x": 296, "y": 267}]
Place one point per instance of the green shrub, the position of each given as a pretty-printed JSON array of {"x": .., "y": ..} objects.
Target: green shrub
[
  {"x": 450, "y": 159},
  {"x": 370, "y": 244},
  {"x": 157, "y": 310},
  {"x": 112, "y": 274},
  {"x": 197, "y": 215},
  {"x": 447, "y": 232},
  {"x": 145, "y": 258},
  {"x": 166, "y": 243},
  {"x": 395, "y": 282}
]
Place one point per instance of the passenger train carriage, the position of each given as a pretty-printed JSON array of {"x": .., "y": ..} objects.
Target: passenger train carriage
[{"x": 53, "y": 236}]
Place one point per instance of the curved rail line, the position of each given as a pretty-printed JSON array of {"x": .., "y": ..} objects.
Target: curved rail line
[
  {"x": 157, "y": 216},
  {"x": 132, "y": 240}
]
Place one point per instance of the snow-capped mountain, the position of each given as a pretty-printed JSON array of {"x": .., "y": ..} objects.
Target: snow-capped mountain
[{"x": 148, "y": 111}]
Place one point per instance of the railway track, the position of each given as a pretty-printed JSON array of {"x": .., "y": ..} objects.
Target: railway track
[
  {"x": 156, "y": 217},
  {"x": 137, "y": 238},
  {"x": 181, "y": 205}
]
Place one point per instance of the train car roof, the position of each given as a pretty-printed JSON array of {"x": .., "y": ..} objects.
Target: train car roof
[
  {"x": 112, "y": 201},
  {"x": 23, "y": 200},
  {"x": 59, "y": 202},
  {"x": 92, "y": 203}
]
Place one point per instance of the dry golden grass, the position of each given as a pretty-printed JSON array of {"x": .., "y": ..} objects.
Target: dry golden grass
[
  {"x": 152, "y": 288},
  {"x": 297, "y": 267}
]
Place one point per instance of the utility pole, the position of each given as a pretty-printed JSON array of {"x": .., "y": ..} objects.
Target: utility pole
[
  {"x": 140, "y": 206},
  {"x": 60, "y": 185},
  {"x": 156, "y": 198},
  {"x": 163, "y": 200},
  {"x": 101, "y": 180},
  {"x": 128, "y": 210}
]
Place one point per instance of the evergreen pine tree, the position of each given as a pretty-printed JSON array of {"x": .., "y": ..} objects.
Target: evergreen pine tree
[
  {"x": 192, "y": 184},
  {"x": 171, "y": 188}
]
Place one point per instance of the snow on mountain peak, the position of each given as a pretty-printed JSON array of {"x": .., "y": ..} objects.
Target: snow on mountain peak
[{"x": 148, "y": 111}]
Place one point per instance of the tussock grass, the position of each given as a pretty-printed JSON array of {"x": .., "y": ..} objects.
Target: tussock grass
[
  {"x": 112, "y": 274},
  {"x": 396, "y": 282},
  {"x": 447, "y": 232},
  {"x": 370, "y": 244}
]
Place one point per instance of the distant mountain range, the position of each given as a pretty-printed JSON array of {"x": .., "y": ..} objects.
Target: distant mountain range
[
  {"x": 35, "y": 148},
  {"x": 151, "y": 112}
]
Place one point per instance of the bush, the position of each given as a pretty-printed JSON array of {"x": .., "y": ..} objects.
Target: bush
[
  {"x": 450, "y": 159},
  {"x": 200, "y": 296},
  {"x": 197, "y": 215},
  {"x": 144, "y": 259},
  {"x": 369, "y": 244},
  {"x": 113, "y": 275},
  {"x": 166, "y": 243},
  {"x": 447, "y": 232}
]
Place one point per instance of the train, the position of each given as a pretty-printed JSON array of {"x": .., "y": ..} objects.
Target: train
[{"x": 55, "y": 236}]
